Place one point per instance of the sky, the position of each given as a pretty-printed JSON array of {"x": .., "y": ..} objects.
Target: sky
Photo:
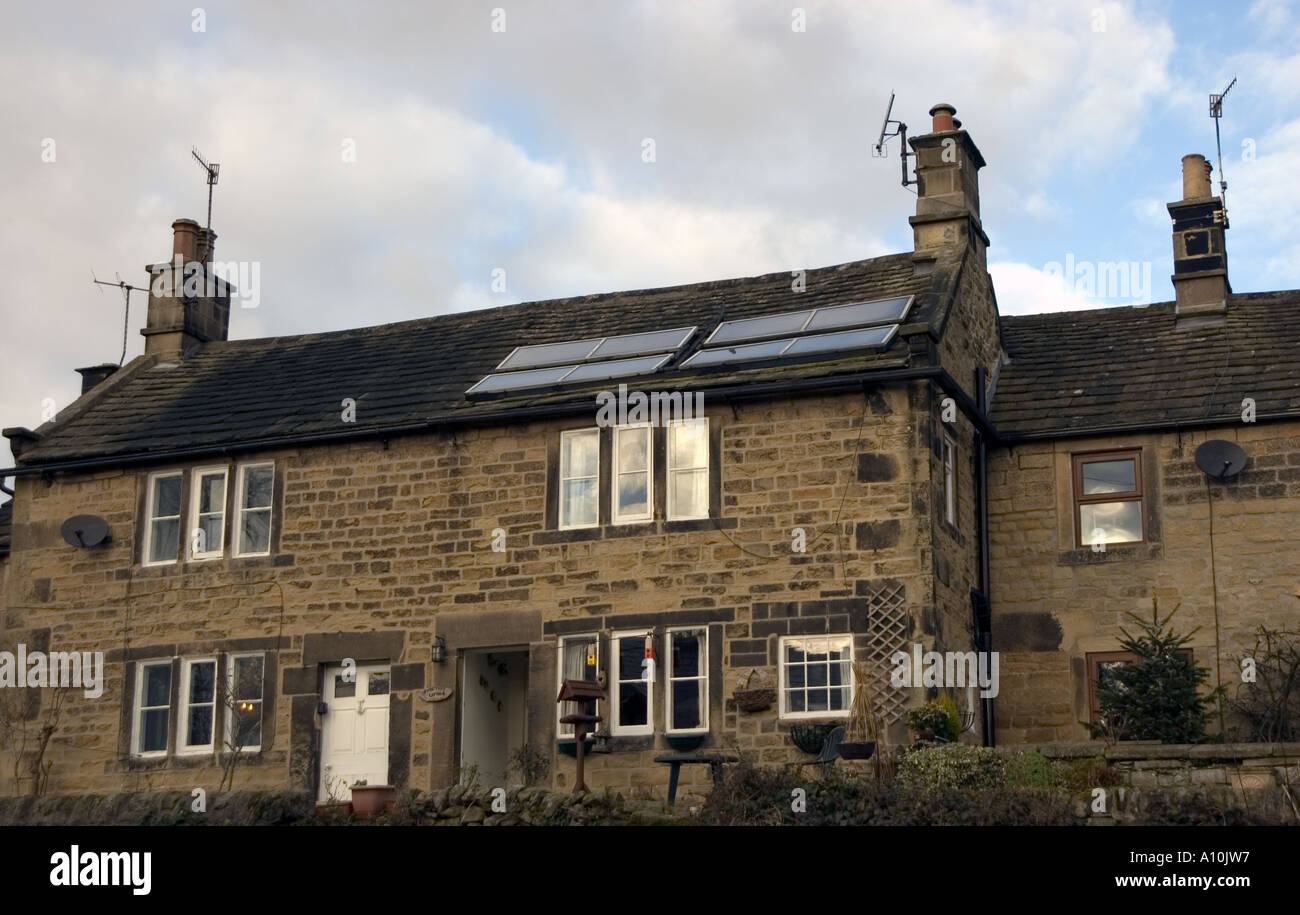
[{"x": 387, "y": 161}]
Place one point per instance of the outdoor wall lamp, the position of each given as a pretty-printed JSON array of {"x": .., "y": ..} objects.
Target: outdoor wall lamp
[{"x": 438, "y": 653}]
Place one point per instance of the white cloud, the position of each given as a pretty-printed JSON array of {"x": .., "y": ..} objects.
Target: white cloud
[{"x": 1025, "y": 290}]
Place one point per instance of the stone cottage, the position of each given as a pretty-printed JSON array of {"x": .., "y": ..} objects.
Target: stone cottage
[{"x": 377, "y": 554}]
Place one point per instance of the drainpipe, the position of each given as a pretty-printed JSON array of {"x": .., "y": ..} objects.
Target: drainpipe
[{"x": 982, "y": 521}]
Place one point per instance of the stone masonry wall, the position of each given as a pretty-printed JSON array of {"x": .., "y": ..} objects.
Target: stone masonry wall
[
  {"x": 380, "y": 547},
  {"x": 1054, "y": 603}
]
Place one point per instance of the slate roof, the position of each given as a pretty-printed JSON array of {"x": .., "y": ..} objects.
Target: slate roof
[
  {"x": 415, "y": 372},
  {"x": 1074, "y": 372},
  {"x": 6, "y": 526}
]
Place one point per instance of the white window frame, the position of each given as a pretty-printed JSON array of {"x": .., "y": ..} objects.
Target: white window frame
[
  {"x": 566, "y": 731},
  {"x": 183, "y": 700},
  {"x": 784, "y": 712},
  {"x": 703, "y": 677},
  {"x": 196, "y": 488},
  {"x": 616, "y": 513},
  {"x": 232, "y": 699},
  {"x": 949, "y": 478},
  {"x": 672, "y": 472},
  {"x": 138, "y": 709},
  {"x": 241, "y": 476},
  {"x": 150, "y": 518},
  {"x": 617, "y": 728},
  {"x": 564, "y": 478}
]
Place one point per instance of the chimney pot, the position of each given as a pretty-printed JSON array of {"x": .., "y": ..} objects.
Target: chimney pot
[
  {"x": 185, "y": 239},
  {"x": 94, "y": 374},
  {"x": 942, "y": 117},
  {"x": 1196, "y": 177}
]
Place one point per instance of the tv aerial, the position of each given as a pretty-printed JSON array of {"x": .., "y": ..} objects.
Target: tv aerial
[
  {"x": 1216, "y": 112},
  {"x": 900, "y": 131},
  {"x": 212, "y": 171},
  {"x": 127, "y": 289}
]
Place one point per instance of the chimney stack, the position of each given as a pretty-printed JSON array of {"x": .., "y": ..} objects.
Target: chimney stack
[
  {"x": 1200, "y": 259},
  {"x": 188, "y": 304},
  {"x": 92, "y": 375},
  {"x": 947, "y": 180}
]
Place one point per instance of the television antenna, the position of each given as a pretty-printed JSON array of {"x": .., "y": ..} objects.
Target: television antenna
[
  {"x": 213, "y": 170},
  {"x": 127, "y": 289},
  {"x": 900, "y": 130},
  {"x": 1216, "y": 112}
]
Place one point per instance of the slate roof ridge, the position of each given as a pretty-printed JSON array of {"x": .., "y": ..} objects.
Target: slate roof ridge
[{"x": 482, "y": 314}]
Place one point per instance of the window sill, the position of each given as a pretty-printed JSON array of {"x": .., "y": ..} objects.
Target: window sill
[
  {"x": 1134, "y": 552},
  {"x": 203, "y": 566},
  {"x": 638, "y": 529}
]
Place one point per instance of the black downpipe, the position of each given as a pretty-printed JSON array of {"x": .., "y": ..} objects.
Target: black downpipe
[{"x": 982, "y": 507}]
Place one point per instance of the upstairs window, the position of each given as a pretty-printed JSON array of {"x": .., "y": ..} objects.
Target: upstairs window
[
  {"x": 1108, "y": 502},
  {"x": 688, "y": 470},
  {"x": 634, "y": 470},
  {"x": 579, "y": 478},
  {"x": 163, "y": 522},
  {"x": 256, "y": 482},
  {"x": 949, "y": 479},
  {"x": 208, "y": 514}
]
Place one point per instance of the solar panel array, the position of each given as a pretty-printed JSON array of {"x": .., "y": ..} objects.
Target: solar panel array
[
  {"x": 795, "y": 333},
  {"x": 789, "y": 335}
]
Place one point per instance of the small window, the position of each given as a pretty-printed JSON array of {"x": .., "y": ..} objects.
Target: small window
[
  {"x": 1108, "y": 498},
  {"x": 632, "y": 700},
  {"x": 579, "y": 660},
  {"x": 162, "y": 532},
  {"x": 688, "y": 470},
  {"x": 633, "y": 474},
  {"x": 198, "y": 705},
  {"x": 153, "y": 699},
  {"x": 1100, "y": 663},
  {"x": 244, "y": 731},
  {"x": 816, "y": 676},
  {"x": 208, "y": 514},
  {"x": 949, "y": 479},
  {"x": 256, "y": 485},
  {"x": 688, "y": 680},
  {"x": 579, "y": 478}
]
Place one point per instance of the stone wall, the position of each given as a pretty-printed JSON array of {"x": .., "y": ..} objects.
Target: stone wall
[
  {"x": 380, "y": 547},
  {"x": 1053, "y": 603}
]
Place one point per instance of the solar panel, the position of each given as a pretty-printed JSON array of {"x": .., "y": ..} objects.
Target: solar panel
[
  {"x": 846, "y": 339},
  {"x": 768, "y": 350},
  {"x": 752, "y": 328},
  {"x": 794, "y": 346},
  {"x": 640, "y": 344},
  {"x": 531, "y": 378},
  {"x": 641, "y": 365},
  {"x": 860, "y": 314},
  {"x": 550, "y": 354},
  {"x": 831, "y": 317}
]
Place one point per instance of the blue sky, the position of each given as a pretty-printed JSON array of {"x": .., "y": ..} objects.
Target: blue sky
[{"x": 521, "y": 150}]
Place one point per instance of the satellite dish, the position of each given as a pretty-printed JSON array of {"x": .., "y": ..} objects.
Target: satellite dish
[
  {"x": 1220, "y": 460},
  {"x": 85, "y": 530}
]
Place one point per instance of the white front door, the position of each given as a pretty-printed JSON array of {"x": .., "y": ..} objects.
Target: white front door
[{"x": 354, "y": 730}]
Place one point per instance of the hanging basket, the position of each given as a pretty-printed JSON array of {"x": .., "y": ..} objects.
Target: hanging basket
[{"x": 750, "y": 698}]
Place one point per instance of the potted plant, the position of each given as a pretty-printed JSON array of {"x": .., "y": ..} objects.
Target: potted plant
[
  {"x": 932, "y": 721},
  {"x": 371, "y": 800},
  {"x": 333, "y": 807},
  {"x": 859, "y": 736}
]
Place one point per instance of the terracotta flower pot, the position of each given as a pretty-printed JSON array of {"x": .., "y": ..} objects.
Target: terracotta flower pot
[
  {"x": 331, "y": 811},
  {"x": 371, "y": 800}
]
